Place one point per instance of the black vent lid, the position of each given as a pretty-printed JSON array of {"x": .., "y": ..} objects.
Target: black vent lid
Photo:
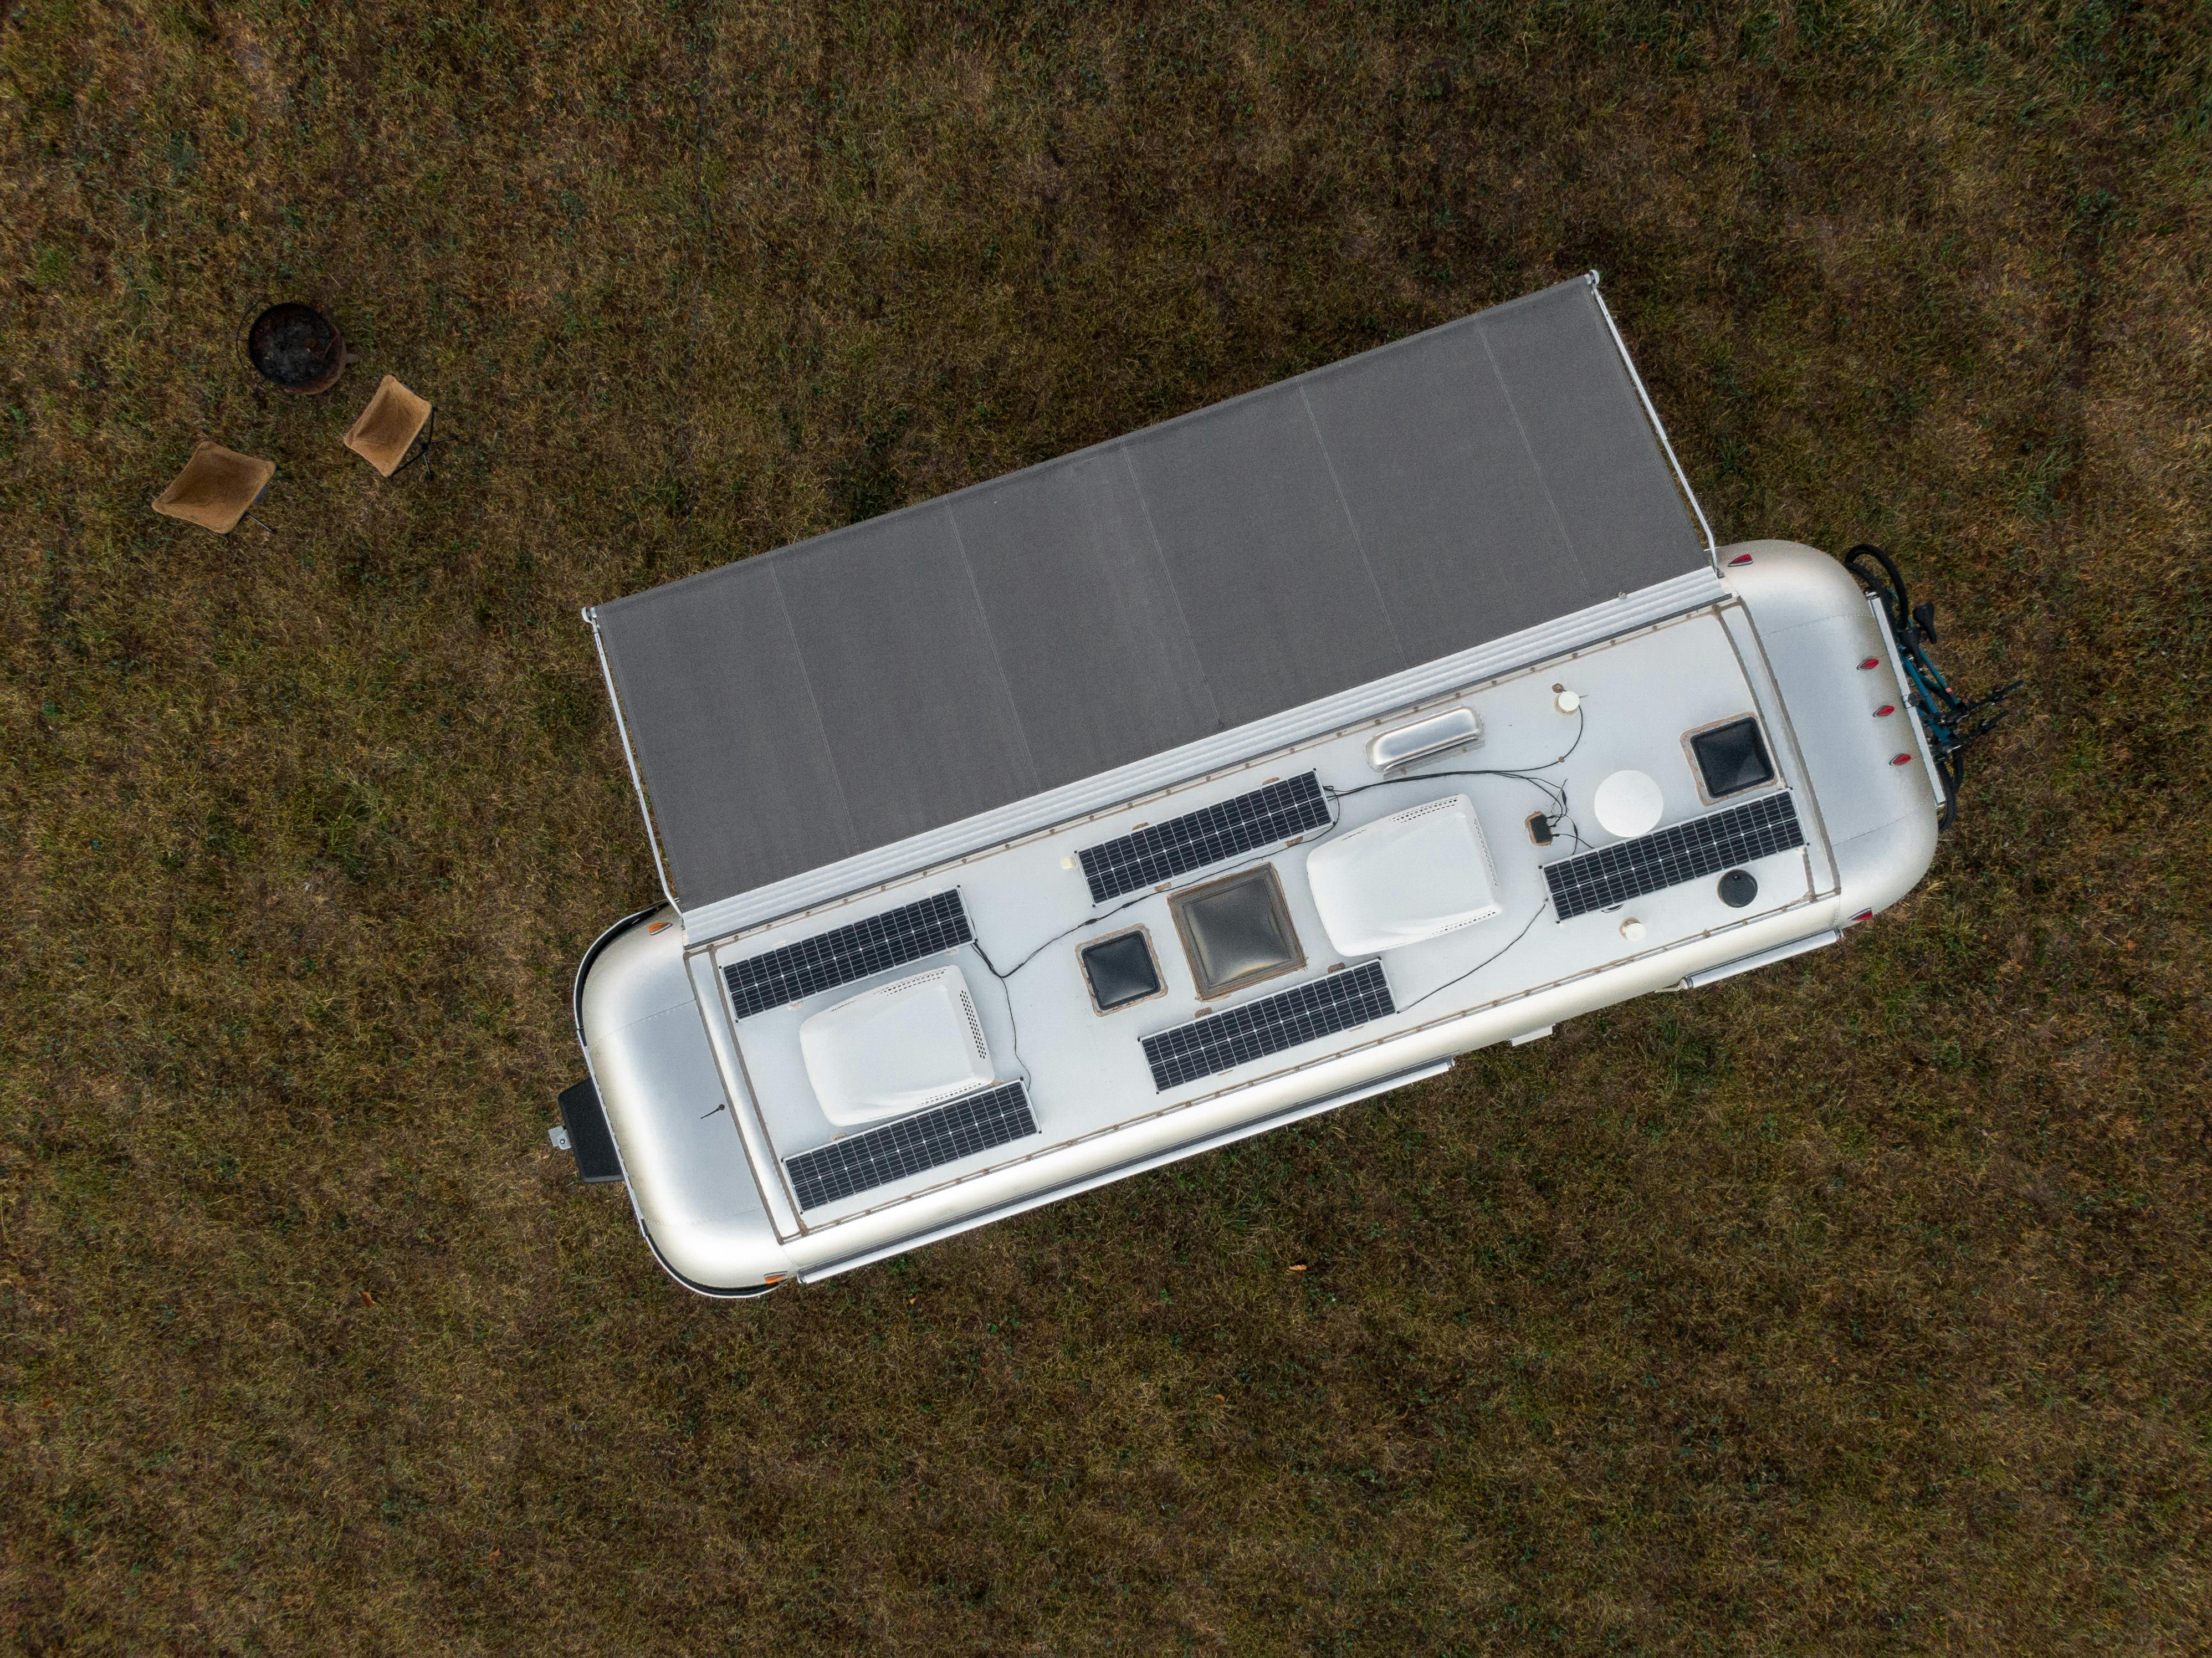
[
  {"x": 1732, "y": 758},
  {"x": 1121, "y": 970}
]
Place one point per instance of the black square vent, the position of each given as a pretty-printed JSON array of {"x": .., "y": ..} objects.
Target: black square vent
[
  {"x": 1121, "y": 970},
  {"x": 1732, "y": 758}
]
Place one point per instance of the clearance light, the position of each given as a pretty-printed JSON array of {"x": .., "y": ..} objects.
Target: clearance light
[
  {"x": 1740, "y": 558},
  {"x": 1885, "y": 711},
  {"x": 1871, "y": 662},
  {"x": 1900, "y": 760},
  {"x": 660, "y": 926},
  {"x": 1863, "y": 915}
]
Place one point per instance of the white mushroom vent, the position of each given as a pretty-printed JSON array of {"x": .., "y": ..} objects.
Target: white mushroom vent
[{"x": 896, "y": 1048}]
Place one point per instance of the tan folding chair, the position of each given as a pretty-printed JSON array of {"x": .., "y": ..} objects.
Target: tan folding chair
[
  {"x": 387, "y": 428},
  {"x": 215, "y": 488}
]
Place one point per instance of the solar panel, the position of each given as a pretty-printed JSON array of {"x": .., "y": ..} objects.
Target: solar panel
[
  {"x": 1160, "y": 852},
  {"x": 1287, "y": 1019},
  {"x": 876, "y": 945},
  {"x": 1669, "y": 857},
  {"x": 928, "y": 1139}
]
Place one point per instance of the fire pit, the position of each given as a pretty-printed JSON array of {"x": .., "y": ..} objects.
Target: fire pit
[{"x": 297, "y": 347}]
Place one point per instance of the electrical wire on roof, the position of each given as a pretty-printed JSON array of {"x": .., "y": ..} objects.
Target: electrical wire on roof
[
  {"x": 1526, "y": 774},
  {"x": 1554, "y": 793},
  {"x": 1006, "y": 991},
  {"x": 1438, "y": 989},
  {"x": 1092, "y": 920},
  {"x": 1149, "y": 893}
]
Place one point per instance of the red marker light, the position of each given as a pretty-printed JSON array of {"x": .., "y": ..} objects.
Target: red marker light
[
  {"x": 1885, "y": 711},
  {"x": 1900, "y": 760},
  {"x": 1863, "y": 915},
  {"x": 1740, "y": 558},
  {"x": 1871, "y": 662}
]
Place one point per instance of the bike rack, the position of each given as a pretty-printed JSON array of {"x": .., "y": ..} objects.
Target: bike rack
[{"x": 1953, "y": 723}]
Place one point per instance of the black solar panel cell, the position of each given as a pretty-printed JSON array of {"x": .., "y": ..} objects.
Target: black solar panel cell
[
  {"x": 928, "y": 1139},
  {"x": 828, "y": 959},
  {"x": 1290, "y": 1018},
  {"x": 1160, "y": 852},
  {"x": 1668, "y": 857}
]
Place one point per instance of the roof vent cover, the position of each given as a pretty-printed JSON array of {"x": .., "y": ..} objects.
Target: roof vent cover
[
  {"x": 1732, "y": 758},
  {"x": 896, "y": 1048},
  {"x": 1411, "y": 877},
  {"x": 1452, "y": 729}
]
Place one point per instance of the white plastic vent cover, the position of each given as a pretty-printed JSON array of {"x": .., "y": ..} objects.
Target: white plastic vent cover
[
  {"x": 896, "y": 1048},
  {"x": 1411, "y": 877}
]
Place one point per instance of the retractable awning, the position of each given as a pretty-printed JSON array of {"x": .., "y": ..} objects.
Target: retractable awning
[{"x": 811, "y": 704}]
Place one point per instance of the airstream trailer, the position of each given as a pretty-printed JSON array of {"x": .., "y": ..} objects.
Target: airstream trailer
[{"x": 1224, "y": 773}]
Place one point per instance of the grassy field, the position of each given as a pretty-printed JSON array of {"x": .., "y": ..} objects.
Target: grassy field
[{"x": 1862, "y": 1305}]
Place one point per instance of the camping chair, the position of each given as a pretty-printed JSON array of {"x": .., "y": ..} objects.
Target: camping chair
[
  {"x": 215, "y": 488},
  {"x": 387, "y": 428}
]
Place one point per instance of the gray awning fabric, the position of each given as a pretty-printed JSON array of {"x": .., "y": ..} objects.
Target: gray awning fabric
[{"x": 817, "y": 701}]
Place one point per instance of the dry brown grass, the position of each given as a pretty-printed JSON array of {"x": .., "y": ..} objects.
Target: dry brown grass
[{"x": 1861, "y": 1307}]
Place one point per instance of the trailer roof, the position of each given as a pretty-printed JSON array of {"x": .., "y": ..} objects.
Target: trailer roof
[{"x": 842, "y": 694}]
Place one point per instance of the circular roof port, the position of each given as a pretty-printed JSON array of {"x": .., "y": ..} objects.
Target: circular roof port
[{"x": 1738, "y": 888}]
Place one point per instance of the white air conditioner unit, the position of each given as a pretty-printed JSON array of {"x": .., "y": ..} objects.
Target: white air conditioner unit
[
  {"x": 896, "y": 1048},
  {"x": 1411, "y": 877}
]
